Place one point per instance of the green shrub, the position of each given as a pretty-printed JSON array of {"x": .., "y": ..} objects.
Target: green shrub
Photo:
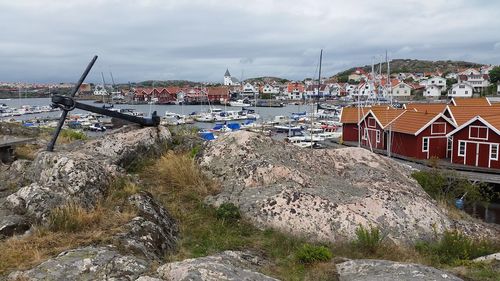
[
  {"x": 309, "y": 254},
  {"x": 368, "y": 239},
  {"x": 447, "y": 186},
  {"x": 69, "y": 135},
  {"x": 228, "y": 212},
  {"x": 454, "y": 247}
]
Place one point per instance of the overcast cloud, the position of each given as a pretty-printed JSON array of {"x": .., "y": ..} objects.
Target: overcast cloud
[{"x": 52, "y": 41}]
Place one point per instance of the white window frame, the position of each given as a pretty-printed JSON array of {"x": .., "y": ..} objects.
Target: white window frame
[
  {"x": 449, "y": 147},
  {"x": 365, "y": 134},
  {"x": 374, "y": 125},
  {"x": 479, "y": 127},
  {"x": 459, "y": 152},
  {"x": 438, "y": 133},
  {"x": 425, "y": 144},
  {"x": 491, "y": 151},
  {"x": 377, "y": 136}
]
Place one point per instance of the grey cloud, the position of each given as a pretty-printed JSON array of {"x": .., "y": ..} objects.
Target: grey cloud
[{"x": 197, "y": 40}]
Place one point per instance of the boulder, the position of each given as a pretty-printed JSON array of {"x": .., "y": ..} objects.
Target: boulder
[
  {"x": 321, "y": 194},
  {"x": 381, "y": 270},
  {"x": 492, "y": 257},
  {"x": 12, "y": 224},
  {"x": 129, "y": 144},
  {"x": 82, "y": 176},
  {"x": 153, "y": 233},
  {"x": 89, "y": 263},
  {"x": 228, "y": 265}
]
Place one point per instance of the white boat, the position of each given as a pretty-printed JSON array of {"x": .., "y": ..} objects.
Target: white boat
[
  {"x": 239, "y": 103},
  {"x": 174, "y": 119}
]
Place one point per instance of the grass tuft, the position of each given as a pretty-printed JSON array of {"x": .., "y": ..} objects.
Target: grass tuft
[
  {"x": 368, "y": 239},
  {"x": 310, "y": 254},
  {"x": 454, "y": 247}
]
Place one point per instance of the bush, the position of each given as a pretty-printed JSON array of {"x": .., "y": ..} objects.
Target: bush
[
  {"x": 368, "y": 239},
  {"x": 68, "y": 135},
  {"x": 454, "y": 247},
  {"x": 449, "y": 186},
  {"x": 309, "y": 254},
  {"x": 228, "y": 212}
]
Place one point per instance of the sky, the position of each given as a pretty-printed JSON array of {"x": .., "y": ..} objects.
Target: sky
[{"x": 53, "y": 40}]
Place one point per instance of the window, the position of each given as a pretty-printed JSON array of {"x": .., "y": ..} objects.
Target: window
[
  {"x": 462, "y": 86},
  {"x": 478, "y": 132},
  {"x": 449, "y": 145},
  {"x": 454, "y": 92},
  {"x": 365, "y": 134},
  {"x": 494, "y": 151},
  {"x": 425, "y": 144},
  {"x": 438, "y": 128},
  {"x": 371, "y": 122},
  {"x": 378, "y": 136},
  {"x": 466, "y": 92},
  {"x": 461, "y": 148}
]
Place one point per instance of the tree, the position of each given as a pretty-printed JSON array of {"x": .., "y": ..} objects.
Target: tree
[{"x": 495, "y": 75}]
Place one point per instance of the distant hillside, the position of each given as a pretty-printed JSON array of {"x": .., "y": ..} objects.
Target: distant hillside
[
  {"x": 266, "y": 79},
  {"x": 409, "y": 65},
  {"x": 167, "y": 83}
]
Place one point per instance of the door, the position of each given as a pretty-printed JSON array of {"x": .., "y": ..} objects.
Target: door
[
  {"x": 483, "y": 155},
  {"x": 471, "y": 153}
]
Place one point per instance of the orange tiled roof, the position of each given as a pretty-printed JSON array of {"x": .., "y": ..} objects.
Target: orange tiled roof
[
  {"x": 462, "y": 114},
  {"x": 427, "y": 107},
  {"x": 383, "y": 113},
  {"x": 494, "y": 120},
  {"x": 470, "y": 102},
  {"x": 410, "y": 122},
  {"x": 387, "y": 115}
]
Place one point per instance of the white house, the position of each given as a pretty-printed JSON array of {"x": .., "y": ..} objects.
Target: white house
[
  {"x": 268, "y": 89},
  {"x": 312, "y": 91},
  {"x": 365, "y": 90},
  {"x": 461, "y": 90},
  {"x": 249, "y": 90},
  {"x": 295, "y": 90},
  {"x": 437, "y": 81},
  {"x": 401, "y": 89},
  {"x": 230, "y": 81},
  {"x": 498, "y": 89},
  {"x": 477, "y": 81},
  {"x": 432, "y": 91}
]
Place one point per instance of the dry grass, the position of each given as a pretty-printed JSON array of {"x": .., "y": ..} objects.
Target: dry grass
[
  {"x": 26, "y": 151},
  {"x": 69, "y": 227}
]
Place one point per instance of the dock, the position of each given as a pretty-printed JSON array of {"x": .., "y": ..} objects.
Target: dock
[
  {"x": 7, "y": 144},
  {"x": 472, "y": 173}
]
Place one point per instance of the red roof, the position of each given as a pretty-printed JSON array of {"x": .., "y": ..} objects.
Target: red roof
[{"x": 295, "y": 86}]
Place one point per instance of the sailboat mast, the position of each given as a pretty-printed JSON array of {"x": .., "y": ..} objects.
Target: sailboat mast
[
  {"x": 312, "y": 104},
  {"x": 103, "y": 87},
  {"x": 388, "y": 81}
]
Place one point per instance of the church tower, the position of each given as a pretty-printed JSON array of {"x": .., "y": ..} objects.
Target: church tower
[{"x": 227, "y": 78}]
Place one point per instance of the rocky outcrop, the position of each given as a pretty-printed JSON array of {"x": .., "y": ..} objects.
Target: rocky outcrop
[
  {"x": 89, "y": 263},
  {"x": 492, "y": 257},
  {"x": 321, "y": 194},
  {"x": 228, "y": 265},
  {"x": 153, "y": 233},
  {"x": 381, "y": 270},
  {"x": 82, "y": 175}
]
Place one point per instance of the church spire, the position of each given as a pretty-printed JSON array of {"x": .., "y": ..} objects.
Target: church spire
[{"x": 227, "y": 74}]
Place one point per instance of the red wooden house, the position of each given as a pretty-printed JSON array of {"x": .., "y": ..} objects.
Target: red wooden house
[
  {"x": 373, "y": 123},
  {"x": 349, "y": 119},
  {"x": 476, "y": 142},
  {"x": 218, "y": 94},
  {"x": 163, "y": 96},
  {"x": 420, "y": 135}
]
